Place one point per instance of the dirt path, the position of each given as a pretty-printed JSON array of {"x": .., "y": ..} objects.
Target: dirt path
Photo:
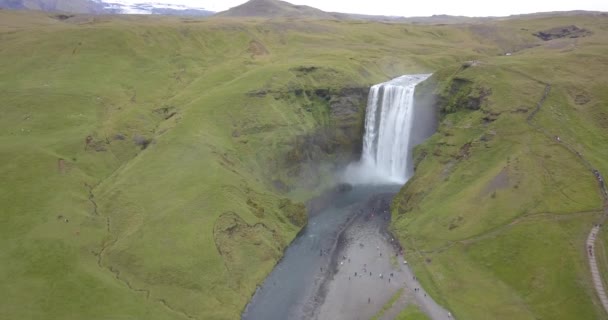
[{"x": 595, "y": 273}]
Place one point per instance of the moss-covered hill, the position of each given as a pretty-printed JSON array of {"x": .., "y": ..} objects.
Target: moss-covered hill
[{"x": 153, "y": 167}]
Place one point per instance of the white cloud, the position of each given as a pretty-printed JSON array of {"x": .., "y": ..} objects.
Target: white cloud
[{"x": 420, "y": 7}]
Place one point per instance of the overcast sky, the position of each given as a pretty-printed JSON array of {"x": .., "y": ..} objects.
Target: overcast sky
[{"x": 423, "y": 7}]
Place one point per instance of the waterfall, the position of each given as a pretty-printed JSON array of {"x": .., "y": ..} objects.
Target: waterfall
[{"x": 388, "y": 123}]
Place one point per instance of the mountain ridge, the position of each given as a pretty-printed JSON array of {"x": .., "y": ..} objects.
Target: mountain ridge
[
  {"x": 254, "y": 8},
  {"x": 273, "y": 9}
]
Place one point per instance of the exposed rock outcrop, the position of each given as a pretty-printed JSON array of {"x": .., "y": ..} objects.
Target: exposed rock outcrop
[
  {"x": 571, "y": 31},
  {"x": 461, "y": 93}
]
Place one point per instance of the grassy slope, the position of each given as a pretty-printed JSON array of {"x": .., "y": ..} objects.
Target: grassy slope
[
  {"x": 514, "y": 249},
  {"x": 412, "y": 312},
  {"x": 188, "y": 226}
]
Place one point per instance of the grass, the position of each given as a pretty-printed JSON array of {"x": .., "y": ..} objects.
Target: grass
[
  {"x": 412, "y": 312},
  {"x": 512, "y": 250},
  {"x": 94, "y": 226}
]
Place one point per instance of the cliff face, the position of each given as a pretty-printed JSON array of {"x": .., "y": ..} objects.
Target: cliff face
[
  {"x": 339, "y": 115},
  {"x": 333, "y": 140},
  {"x": 338, "y": 139}
]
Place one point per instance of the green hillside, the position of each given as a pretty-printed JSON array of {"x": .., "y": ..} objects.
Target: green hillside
[
  {"x": 154, "y": 168},
  {"x": 499, "y": 210}
]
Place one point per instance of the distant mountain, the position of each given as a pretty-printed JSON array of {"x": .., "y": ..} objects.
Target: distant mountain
[
  {"x": 104, "y": 7},
  {"x": 447, "y": 19},
  {"x": 73, "y": 6},
  {"x": 134, "y": 7},
  {"x": 275, "y": 9},
  {"x": 443, "y": 19}
]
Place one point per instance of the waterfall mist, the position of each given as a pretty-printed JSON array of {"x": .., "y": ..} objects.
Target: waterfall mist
[{"x": 387, "y": 141}]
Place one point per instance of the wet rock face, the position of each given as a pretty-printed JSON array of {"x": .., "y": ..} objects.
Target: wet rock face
[
  {"x": 340, "y": 131},
  {"x": 342, "y": 135},
  {"x": 347, "y": 113},
  {"x": 562, "y": 32},
  {"x": 346, "y": 105},
  {"x": 343, "y": 187}
]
